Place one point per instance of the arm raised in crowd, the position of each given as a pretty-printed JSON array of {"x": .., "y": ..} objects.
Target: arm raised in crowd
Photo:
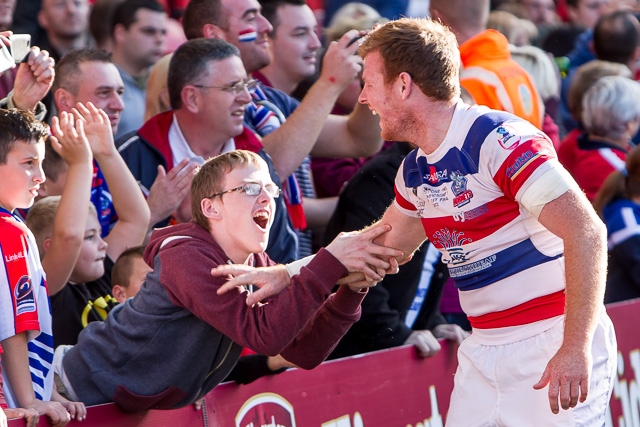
[
  {"x": 63, "y": 248},
  {"x": 133, "y": 212},
  {"x": 357, "y": 135}
]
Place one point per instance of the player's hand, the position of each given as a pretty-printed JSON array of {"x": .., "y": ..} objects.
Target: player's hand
[
  {"x": 30, "y": 416},
  {"x": 451, "y": 332},
  {"x": 169, "y": 189},
  {"x": 70, "y": 140},
  {"x": 425, "y": 342},
  {"x": 97, "y": 128},
  {"x": 270, "y": 280},
  {"x": 357, "y": 252},
  {"x": 357, "y": 280},
  {"x": 567, "y": 375},
  {"x": 34, "y": 79}
]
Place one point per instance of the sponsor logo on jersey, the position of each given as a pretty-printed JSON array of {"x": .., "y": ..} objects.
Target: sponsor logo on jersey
[
  {"x": 507, "y": 137},
  {"x": 452, "y": 241},
  {"x": 23, "y": 293},
  {"x": 469, "y": 215},
  {"x": 266, "y": 410},
  {"x": 434, "y": 176},
  {"x": 520, "y": 163},
  {"x": 459, "y": 189},
  {"x": 14, "y": 257}
]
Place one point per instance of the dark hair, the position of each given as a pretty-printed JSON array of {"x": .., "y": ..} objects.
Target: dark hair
[
  {"x": 100, "y": 19},
  {"x": 125, "y": 12},
  {"x": 68, "y": 68},
  {"x": 189, "y": 63},
  {"x": 616, "y": 37},
  {"x": 19, "y": 126},
  {"x": 123, "y": 267},
  {"x": 199, "y": 13},
  {"x": 270, "y": 10}
]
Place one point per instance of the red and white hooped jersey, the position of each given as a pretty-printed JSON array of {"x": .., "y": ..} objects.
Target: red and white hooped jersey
[
  {"x": 24, "y": 303},
  {"x": 468, "y": 194}
]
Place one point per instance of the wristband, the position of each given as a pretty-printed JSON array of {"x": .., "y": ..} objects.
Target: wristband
[{"x": 294, "y": 267}]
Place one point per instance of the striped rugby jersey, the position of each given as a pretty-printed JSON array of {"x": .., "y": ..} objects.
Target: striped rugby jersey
[
  {"x": 467, "y": 194},
  {"x": 24, "y": 303}
]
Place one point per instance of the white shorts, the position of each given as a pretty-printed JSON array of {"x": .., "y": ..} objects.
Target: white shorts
[{"x": 494, "y": 383}]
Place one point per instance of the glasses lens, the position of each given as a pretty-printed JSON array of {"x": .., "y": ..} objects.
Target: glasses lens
[
  {"x": 252, "y": 189},
  {"x": 252, "y": 85},
  {"x": 273, "y": 190}
]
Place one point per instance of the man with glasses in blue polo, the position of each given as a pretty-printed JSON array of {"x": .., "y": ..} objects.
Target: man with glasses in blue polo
[{"x": 209, "y": 91}]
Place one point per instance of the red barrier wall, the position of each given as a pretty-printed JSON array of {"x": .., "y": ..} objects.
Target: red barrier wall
[{"x": 387, "y": 388}]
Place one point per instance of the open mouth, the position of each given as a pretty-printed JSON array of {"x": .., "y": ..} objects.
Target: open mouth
[{"x": 262, "y": 219}]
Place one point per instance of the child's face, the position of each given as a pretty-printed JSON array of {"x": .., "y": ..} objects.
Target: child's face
[
  {"x": 90, "y": 264},
  {"x": 246, "y": 219},
  {"x": 22, "y": 175},
  {"x": 138, "y": 276}
]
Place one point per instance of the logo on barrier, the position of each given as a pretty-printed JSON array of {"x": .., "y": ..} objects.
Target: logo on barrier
[{"x": 266, "y": 410}]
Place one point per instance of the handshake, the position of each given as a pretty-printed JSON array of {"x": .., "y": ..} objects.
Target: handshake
[{"x": 366, "y": 261}]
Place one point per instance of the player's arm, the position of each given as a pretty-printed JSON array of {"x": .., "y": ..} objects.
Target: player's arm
[
  {"x": 407, "y": 232},
  {"x": 572, "y": 218}
]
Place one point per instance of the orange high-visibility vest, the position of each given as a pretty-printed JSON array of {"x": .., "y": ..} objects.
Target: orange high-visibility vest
[{"x": 493, "y": 79}]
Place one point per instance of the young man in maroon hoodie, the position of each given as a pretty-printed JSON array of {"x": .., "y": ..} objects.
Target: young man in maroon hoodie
[{"x": 125, "y": 358}]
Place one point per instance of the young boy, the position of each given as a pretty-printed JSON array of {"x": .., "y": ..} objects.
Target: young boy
[
  {"x": 124, "y": 358},
  {"x": 128, "y": 274},
  {"x": 76, "y": 259},
  {"x": 25, "y": 329}
]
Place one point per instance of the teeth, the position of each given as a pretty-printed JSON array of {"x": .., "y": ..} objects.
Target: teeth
[{"x": 261, "y": 214}]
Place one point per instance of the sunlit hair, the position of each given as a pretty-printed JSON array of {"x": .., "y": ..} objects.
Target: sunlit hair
[
  {"x": 620, "y": 185},
  {"x": 423, "y": 48},
  {"x": 41, "y": 218},
  {"x": 210, "y": 177},
  {"x": 157, "y": 93},
  {"x": 610, "y": 105},
  {"x": 540, "y": 67},
  {"x": 585, "y": 76},
  {"x": 512, "y": 27},
  {"x": 19, "y": 126}
]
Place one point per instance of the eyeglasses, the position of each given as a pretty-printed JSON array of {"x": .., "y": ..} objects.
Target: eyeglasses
[
  {"x": 236, "y": 89},
  {"x": 253, "y": 189}
]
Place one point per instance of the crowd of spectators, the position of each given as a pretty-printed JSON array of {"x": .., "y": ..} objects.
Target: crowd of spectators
[{"x": 137, "y": 99}]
